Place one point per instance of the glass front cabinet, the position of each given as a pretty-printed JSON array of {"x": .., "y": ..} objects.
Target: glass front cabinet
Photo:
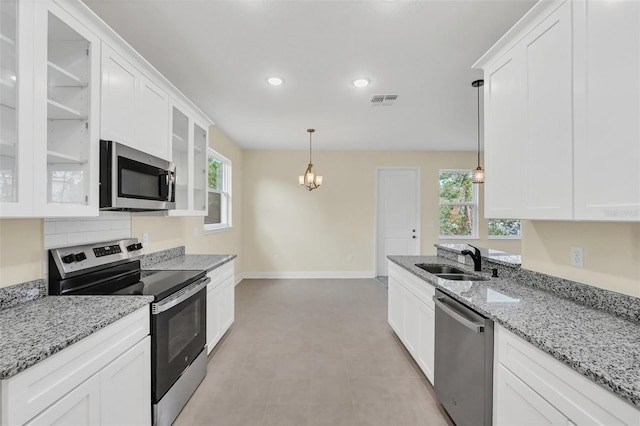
[
  {"x": 49, "y": 131},
  {"x": 189, "y": 154}
]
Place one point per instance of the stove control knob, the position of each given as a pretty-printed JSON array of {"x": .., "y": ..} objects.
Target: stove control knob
[
  {"x": 79, "y": 257},
  {"x": 68, "y": 258},
  {"x": 133, "y": 247}
]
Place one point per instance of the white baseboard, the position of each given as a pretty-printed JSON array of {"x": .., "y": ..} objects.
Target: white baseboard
[
  {"x": 308, "y": 274},
  {"x": 238, "y": 277}
]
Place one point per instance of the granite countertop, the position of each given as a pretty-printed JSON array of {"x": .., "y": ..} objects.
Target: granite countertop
[
  {"x": 33, "y": 331},
  {"x": 597, "y": 344},
  {"x": 188, "y": 262},
  {"x": 490, "y": 255}
]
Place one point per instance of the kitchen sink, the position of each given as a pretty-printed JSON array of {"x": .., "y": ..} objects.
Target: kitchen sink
[
  {"x": 461, "y": 277},
  {"x": 439, "y": 269}
]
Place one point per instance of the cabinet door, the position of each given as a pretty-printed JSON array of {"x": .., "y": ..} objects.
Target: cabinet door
[
  {"x": 200, "y": 168},
  {"x": 607, "y": 133},
  {"x": 411, "y": 317},
  {"x": 125, "y": 388},
  {"x": 395, "y": 306},
  {"x": 16, "y": 105},
  {"x": 515, "y": 403},
  {"x": 118, "y": 113},
  {"x": 214, "y": 327},
  {"x": 227, "y": 302},
  {"x": 81, "y": 406},
  {"x": 426, "y": 340},
  {"x": 152, "y": 121},
  {"x": 504, "y": 127},
  {"x": 66, "y": 119},
  {"x": 547, "y": 172},
  {"x": 180, "y": 149}
]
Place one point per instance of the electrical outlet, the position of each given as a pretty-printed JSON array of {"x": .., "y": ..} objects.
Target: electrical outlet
[
  {"x": 577, "y": 257},
  {"x": 196, "y": 231},
  {"x": 145, "y": 237},
  {"x": 349, "y": 258},
  {"x": 276, "y": 257}
]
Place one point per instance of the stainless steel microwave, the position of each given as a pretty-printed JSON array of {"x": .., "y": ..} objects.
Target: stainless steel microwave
[{"x": 131, "y": 180}]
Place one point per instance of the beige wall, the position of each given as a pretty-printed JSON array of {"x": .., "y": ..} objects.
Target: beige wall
[
  {"x": 611, "y": 252},
  {"x": 287, "y": 228},
  {"x": 21, "y": 250},
  {"x": 168, "y": 232}
]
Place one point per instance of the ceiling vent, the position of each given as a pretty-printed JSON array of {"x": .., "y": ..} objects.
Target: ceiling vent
[{"x": 384, "y": 100}]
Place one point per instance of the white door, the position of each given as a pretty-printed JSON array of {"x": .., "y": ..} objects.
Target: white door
[{"x": 398, "y": 215}]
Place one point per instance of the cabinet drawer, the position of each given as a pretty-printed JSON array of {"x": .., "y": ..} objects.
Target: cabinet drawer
[
  {"x": 220, "y": 274},
  {"x": 578, "y": 398},
  {"x": 33, "y": 390}
]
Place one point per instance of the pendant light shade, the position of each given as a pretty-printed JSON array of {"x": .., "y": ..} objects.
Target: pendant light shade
[
  {"x": 478, "y": 173},
  {"x": 310, "y": 180}
]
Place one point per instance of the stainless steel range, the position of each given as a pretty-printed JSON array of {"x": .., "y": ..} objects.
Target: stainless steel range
[{"x": 178, "y": 320}]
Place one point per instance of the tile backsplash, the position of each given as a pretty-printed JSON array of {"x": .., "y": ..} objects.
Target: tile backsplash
[{"x": 59, "y": 232}]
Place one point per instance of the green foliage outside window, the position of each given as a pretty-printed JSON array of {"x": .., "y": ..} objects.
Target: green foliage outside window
[
  {"x": 457, "y": 203},
  {"x": 215, "y": 173},
  {"x": 504, "y": 227}
]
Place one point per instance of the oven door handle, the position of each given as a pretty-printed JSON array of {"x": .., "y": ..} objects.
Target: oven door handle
[{"x": 159, "y": 307}]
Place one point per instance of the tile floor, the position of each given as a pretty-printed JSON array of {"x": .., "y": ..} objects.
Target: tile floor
[{"x": 312, "y": 353}]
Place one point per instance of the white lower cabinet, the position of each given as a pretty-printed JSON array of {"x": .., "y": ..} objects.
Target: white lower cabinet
[
  {"x": 521, "y": 405},
  {"x": 130, "y": 372},
  {"x": 81, "y": 406},
  {"x": 220, "y": 303},
  {"x": 104, "y": 379},
  {"x": 532, "y": 388},
  {"x": 411, "y": 315}
]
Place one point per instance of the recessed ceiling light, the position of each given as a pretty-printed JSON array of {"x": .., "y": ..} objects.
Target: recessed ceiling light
[
  {"x": 361, "y": 82},
  {"x": 275, "y": 81}
]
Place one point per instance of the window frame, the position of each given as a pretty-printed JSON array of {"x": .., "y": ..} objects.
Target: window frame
[
  {"x": 474, "y": 231},
  {"x": 225, "y": 194},
  {"x": 503, "y": 237}
]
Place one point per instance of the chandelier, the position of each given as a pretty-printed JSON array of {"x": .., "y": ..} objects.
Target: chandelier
[
  {"x": 478, "y": 174},
  {"x": 310, "y": 179}
]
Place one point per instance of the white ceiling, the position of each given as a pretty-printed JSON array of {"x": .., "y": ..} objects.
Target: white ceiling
[{"x": 219, "y": 54}]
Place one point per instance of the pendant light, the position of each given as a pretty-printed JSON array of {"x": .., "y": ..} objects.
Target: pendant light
[
  {"x": 310, "y": 179},
  {"x": 478, "y": 174}
]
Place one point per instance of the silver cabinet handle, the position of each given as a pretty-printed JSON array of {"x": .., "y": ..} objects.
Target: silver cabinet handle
[
  {"x": 159, "y": 307},
  {"x": 477, "y": 328}
]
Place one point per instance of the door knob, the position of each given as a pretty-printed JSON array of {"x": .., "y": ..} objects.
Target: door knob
[
  {"x": 414, "y": 237},
  {"x": 413, "y": 230}
]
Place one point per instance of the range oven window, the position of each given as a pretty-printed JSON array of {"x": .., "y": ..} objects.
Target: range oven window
[
  {"x": 179, "y": 335},
  {"x": 138, "y": 180},
  {"x": 183, "y": 328}
]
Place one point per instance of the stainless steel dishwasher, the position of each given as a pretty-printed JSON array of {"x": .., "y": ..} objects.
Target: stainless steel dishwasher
[{"x": 463, "y": 377}]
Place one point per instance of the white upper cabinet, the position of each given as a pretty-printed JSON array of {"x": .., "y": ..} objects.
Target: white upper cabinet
[
  {"x": 562, "y": 107},
  {"x": 189, "y": 154},
  {"x": 135, "y": 111},
  {"x": 118, "y": 98},
  {"x": 67, "y": 81},
  {"x": 504, "y": 118},
  {"x": 16, "y": 95},
  {"x": 152, "y": 122},
  {"x": 49, "y": 128},
  {"x": 607, "y": 132},
  {"x": 547, "y": 145},
  {"x": 66, "y": 114}
]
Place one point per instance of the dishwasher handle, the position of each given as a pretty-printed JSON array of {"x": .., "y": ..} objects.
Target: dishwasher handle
[{"x": 476, "y": 328}]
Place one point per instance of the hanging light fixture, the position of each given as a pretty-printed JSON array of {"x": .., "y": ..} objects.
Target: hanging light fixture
[
  {"x": 310, "y": 179},
  {"x": 478, "y": 174}
]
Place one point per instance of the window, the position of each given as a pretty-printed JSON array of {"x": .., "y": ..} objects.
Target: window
[
  {"x": 218, "y": 192},
  {"x": 458, "y": 205},
  {"x": 504, "y": 228}
]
